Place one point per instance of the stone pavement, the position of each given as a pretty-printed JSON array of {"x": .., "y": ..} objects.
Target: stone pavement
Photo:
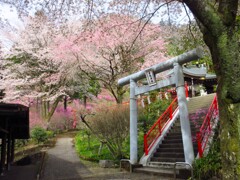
[
  {"x": 27, "y": 172},
  {"x": 62, "y": 163}
]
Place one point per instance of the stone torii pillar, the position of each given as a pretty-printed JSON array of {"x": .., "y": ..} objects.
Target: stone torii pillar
[
  {"x": 133, "y": 124},
  {"x": 183, "y": 113}
]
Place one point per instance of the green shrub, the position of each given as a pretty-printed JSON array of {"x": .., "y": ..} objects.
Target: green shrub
[
  {"x": 87, "y": 147},
  {"x": 39, "y": 135},
  {"x": 126, "y": 146},
  {"x": 50, "y": 134},
  {"x": 210, "y": 165},
  {"x": 111, "y": 125},
  {"x": 152, "y": 112},
  {"x": 21, "y": 142}
]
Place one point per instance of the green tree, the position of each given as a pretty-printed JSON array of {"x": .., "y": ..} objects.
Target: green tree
[{"x": 184, "y": 38}]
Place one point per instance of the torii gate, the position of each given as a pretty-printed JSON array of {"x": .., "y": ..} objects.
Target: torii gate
[{"x": 178, "y": 80}]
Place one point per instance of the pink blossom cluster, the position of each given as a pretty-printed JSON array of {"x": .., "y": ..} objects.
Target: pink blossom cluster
[
  {"x": 106, "y": 97},
  {"x": 197, "y": 119},
  {"x": 35, "y": 119}
]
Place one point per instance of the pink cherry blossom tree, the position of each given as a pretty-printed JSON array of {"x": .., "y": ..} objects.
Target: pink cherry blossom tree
[
  {"x": 114, "y": 46},
  {"x": 32, "y": 70}
]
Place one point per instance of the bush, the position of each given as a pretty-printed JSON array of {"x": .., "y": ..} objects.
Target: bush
[
  {"x": 21, "y": 142},
  {"x": 50, "y": 134},
  {"x": 111, "y": 125},
  {"x": 210, "y": 165},
  {"x": 39, "y": 135},
  {"x": 149, "y": 115},
  {"x": 87, "y": 147},
  {"x": 126, "y": 146}
]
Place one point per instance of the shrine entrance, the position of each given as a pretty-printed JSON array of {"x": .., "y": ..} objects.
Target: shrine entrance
[{"x": 178, "y": 80}]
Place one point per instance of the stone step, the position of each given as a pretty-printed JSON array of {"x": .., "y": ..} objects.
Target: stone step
[
  {"x": 174, "y": 134},
  {"x": 171, "y": 137},
  {"x": 169, "y": 154},
  {"x": 172, "y": 149},
  {"x": 161, "y": 164},
  {"x": 176, "y": 149},
  {"x": 164, "y": 170},
  {"x": 167, "y": 159},
  {"x": 176, "y": 145},
  {"x": 171, "y": 141},
  {"x": 192, "y": 123},
  {"x": 199, "y": 103},
  {"x": 194, "y": 131}
]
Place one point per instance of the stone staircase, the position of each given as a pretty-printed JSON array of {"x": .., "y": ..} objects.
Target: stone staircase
[{"x": 171, "y": 148}]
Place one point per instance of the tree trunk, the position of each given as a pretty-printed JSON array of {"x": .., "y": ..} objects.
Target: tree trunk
[
  {"x": 52, "y": 109},
  {"x": 85, "y": 101},
  {"x": 220, "y": 27},
  {"x": 226, "y": 58},
  {"x": 65, "y": 103}
]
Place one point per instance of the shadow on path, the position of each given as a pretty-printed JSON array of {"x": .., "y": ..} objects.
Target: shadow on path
[{"x": 63, "y": 163}]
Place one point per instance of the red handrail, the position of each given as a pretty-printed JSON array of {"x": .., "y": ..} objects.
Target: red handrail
[
  {"x": 205, "y": 130},
  {"x": 156, "y": 130},
  {"x": 186, "y": 89}
]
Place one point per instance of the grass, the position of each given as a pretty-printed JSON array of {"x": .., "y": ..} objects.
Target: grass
[
  {"x": 87, "y": 147},
  {"x": 90, "y": 151}
]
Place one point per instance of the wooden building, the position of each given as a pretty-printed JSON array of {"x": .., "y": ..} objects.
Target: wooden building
[
  {"x": 14, "y": 124},
  {"x": 197, "y": 75}
]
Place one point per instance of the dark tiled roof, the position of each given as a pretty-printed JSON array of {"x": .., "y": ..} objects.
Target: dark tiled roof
[
  {"x": 196, "y": 72},
  {"x": 17, "y": 118}
]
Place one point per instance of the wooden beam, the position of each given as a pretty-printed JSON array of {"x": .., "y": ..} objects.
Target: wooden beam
[
  {"x": 3, "y": 153},
  {"x": 12, "y": 150},
  {"x": 3, "y": 130}
]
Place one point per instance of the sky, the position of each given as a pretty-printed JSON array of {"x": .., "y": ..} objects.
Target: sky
[{"x": 9, "y": 15}]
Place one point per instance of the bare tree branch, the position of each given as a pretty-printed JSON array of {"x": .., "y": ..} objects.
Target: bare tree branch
[{"x": 148, "y": 20}]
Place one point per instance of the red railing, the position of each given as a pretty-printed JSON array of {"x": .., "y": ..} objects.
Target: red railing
[
  {"x": 205, "y": 130},
  {"x": 158, "y": 127}
]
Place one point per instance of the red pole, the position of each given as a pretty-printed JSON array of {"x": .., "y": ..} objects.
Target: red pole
[
  {"x": 186, "y": 89},
  {"x": 209, "y": 124},
  {"x": 171, "y": 111},
  {"x": 145, "y": 145},
  {"x": 200, "y": 151},
  {"x": 159, "y": 127}
]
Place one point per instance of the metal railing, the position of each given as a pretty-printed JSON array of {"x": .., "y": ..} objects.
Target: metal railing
[
  {"x": 156, "y": 130},
  {"x": 206, "y": 128}
]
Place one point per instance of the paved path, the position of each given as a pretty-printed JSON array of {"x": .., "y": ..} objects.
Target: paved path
[{"x": 63, "y": 163}]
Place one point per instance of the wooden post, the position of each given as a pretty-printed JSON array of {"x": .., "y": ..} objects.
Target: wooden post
[
  {"x": 9, "y": 143},
  {"x": 12, "y": 150},
  {"x": 3, "y": 148}
]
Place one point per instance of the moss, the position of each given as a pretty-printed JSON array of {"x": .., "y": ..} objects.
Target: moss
[{"x": 230, "y": 140}]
